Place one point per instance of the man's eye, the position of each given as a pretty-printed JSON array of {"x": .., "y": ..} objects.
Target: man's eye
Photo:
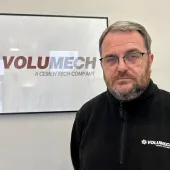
[
  {"x": 111, "y": 59},
  {"x": 132, "y": 57}
]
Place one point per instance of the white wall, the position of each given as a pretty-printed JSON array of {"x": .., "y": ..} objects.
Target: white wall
[
  {"x": 42, "y": 141},
  {"x": 35, "y": 142}
]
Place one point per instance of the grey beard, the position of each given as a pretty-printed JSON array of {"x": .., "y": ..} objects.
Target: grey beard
[{"x": 136, "y": 91}]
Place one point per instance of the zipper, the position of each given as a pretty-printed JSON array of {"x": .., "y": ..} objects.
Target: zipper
[{"x": 122, "y": 136}]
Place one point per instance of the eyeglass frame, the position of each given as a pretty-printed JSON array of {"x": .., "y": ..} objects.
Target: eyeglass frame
[{"x": 118, "y": 58}]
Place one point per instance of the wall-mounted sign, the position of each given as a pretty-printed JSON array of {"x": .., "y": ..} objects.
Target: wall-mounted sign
[{"x": 49, "y": 63}]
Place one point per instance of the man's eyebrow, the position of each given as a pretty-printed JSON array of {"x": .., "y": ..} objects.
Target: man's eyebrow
[
  {"x": 132, "y": 50},
  {"x": 110, "y": 55}
]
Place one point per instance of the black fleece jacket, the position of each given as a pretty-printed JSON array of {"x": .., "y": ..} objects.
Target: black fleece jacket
[{"x": 112, "y": 135}]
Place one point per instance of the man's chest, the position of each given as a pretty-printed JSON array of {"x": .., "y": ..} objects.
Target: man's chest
[{"x": 144, "y": 145}]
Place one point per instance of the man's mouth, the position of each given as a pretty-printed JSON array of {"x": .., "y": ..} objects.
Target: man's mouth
[{"x": 123, "y": 78}]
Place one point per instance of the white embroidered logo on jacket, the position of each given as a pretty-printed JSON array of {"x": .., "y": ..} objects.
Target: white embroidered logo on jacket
[{"x": 156, "y": 143}]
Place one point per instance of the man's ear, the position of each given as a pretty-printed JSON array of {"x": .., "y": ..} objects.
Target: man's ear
[
  {"x": 101, "y": 64},
  {"x": 151, "y": 58}
]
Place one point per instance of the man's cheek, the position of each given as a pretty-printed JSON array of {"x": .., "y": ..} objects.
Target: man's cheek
[{"x": 135, "y": 74}]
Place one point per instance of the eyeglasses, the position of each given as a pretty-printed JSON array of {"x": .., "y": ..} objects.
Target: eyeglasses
[{"x": 131, "y": 59}]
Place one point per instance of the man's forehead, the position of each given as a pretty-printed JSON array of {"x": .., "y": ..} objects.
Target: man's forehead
[{"x": 123, "y": 41}]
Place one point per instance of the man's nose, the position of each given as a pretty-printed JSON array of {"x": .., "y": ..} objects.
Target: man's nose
[{"x": 122, "y": 67}]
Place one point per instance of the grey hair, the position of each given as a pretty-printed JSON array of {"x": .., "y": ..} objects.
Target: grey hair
[{"x": 127, "y": 26}]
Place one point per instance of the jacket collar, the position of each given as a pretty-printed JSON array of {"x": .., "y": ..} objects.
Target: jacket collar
[{"x": 134, "y": 105}]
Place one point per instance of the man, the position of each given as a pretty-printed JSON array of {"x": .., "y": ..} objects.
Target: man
[{"x": 128, "y": 126}]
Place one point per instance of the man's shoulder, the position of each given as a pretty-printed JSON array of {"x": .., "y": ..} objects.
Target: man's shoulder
[
  {"x": 164, "y": 97},
  {"x": 164, "y": 94},
  {"x": 89, "y": 108}
]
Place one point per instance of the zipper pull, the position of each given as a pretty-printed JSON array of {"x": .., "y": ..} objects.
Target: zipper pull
[{"x": 121, "y": 110}]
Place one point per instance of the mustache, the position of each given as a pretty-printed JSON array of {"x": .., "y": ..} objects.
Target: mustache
[{"x": 124, "y": 75}]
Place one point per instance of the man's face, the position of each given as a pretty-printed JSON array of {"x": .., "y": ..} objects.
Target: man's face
[{"x": 126, "y": 81}]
